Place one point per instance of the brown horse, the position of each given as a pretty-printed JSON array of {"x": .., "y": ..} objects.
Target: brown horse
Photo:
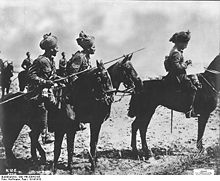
[
  {"x": 157, "y": 92},
  {"x": 93, "y": 111},
  {"x": 17, "y": 110}
]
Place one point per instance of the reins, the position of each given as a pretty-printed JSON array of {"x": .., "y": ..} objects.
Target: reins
[
  {"x": 16, "y": 97},
  {"x": 209, "y": 84},
  {"x": 126, "y": 92}
]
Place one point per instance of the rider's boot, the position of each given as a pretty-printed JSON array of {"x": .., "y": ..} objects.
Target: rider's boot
[
  {"x": 47, "y": 138},
  {"x": 191, "y": 112},
  {"x": 81, "y": 127}
]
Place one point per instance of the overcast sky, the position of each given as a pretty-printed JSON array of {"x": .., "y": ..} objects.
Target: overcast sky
[{"x": 118, "y": 26}]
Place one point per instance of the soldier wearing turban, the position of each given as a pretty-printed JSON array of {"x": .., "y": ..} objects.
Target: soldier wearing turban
[
  {"x": 41, "y": 74},
  {"x": 81, "y": 60},
  {"x": 176, "y": 68}
]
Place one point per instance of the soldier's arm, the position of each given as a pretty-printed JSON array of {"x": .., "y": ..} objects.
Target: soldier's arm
[
  {"x": 176, "y": 62},
  {"x": 33, "y": 73}
]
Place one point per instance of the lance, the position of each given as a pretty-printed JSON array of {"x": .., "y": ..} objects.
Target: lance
[
  {"x": 123, "y": 56},
  {"x": 64, "y": 78},
  {"x": 74, "y": 74}
]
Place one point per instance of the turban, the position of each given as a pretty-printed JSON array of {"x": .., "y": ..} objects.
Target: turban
[
  {"x": 49, "y": 42},
  {"x": 182, "y": 36},
  {"x": 85, "y": 41}
]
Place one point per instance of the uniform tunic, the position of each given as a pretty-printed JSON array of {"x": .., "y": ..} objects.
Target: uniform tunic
[
  {"x": 175, "y": 65},
  {"x": 79, "y": 62},
  {"x": 41, "y": 70}
]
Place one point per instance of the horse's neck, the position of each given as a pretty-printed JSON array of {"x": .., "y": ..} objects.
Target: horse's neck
[
  {"x": 114, "y": 74},
  {"x": 212, "y": 77}
]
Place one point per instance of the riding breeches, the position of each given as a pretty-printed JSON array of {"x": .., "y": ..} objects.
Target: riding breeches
[{"x": 39, "y": 115}]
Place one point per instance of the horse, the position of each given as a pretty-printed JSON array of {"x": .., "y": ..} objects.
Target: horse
[
  {"x": 93, "y": 111},
  {"x": 22, "y": 79},
  {"x": 158, "y": 92},
  {"x": 6, "y": 74},
  {"x": 17, "y": 110}
]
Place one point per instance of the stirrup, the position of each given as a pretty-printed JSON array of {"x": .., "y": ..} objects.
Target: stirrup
[
  {"x": 192, "y": 114},
  {"x": 47, "y": 139},
  {"x": 81, "y": 127}
]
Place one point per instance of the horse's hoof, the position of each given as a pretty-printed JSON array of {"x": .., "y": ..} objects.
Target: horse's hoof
[
  {"x": 93, "y": 168},
  {"x": 54, "y": 169},
  {"x": 43, "y": 160},
  {"x": 70, "y": 171},
  {"x": 135, "y": 154},
  {"x": 147, "y": 153},
  {"x": 200, "y": 148},
  {"x": 10, "y": 163}
]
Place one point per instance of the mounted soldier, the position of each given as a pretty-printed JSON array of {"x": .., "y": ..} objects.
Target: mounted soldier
[
  {"x": 81, "y": 60},
  {"x": 22, "y": 76},
  {"x": 62, "y": 65},
  {"x": 40, "y": 77},
  {"x": 27, "y": 62},
  {"x": 176, "y": 68},
  {"x": 6, "y": 74}
]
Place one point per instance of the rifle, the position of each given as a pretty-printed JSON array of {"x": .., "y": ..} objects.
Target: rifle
[{"x": 123, "y": 56}]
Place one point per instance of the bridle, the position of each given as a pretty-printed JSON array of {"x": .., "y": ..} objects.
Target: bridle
[
  {"x": 128, "y": 81},
  {"x": 106, "y": 93},
  {"x": 209, "y": 84}
]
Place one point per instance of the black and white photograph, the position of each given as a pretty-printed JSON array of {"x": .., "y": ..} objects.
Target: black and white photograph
[{"x": 112, "y": 87}]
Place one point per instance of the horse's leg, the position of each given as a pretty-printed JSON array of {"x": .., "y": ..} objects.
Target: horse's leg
[
  {"x": 94, "y": 136},
  {"x": 34, "y": 135},
  {"x": 3, "y": 91},
  {"x": 57, "y": 148},
  {"x": 7, "y": 89},
  {"x": 41, "y": 152},
  {"x": 70, "y": 147},
  {"x": 203, "y": 118},
  {"x": 134, "y": 128},
  {"x": 9, "y": 138},
  {"x": 143, "y": 130}
]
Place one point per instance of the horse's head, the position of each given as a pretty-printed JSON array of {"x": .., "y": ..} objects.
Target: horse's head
[
  {"x": 124, "y": 72},
  {"x": 102, "y": 84}
]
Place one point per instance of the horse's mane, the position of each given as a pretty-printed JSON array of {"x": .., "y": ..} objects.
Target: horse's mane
[
  {"x": 112, "y": 67},
  {"x": 215, "y": 64}
]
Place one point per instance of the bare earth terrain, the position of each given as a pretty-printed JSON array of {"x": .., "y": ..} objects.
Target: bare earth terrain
[{"x": 174, "y": 153}]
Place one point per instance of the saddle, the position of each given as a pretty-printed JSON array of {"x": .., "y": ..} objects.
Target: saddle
[{"x": 176, "y": 85}]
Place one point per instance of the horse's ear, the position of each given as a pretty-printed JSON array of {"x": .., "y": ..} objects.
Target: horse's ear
[
  {"x": 100, "y": 64},
  {"x": 130, "y": 56},
  {"x": 97, "y": 63},
  {"x": 127, "y": 58}
]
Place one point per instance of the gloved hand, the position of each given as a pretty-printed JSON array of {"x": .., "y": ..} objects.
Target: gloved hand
[{"x": 49, "y": 83}]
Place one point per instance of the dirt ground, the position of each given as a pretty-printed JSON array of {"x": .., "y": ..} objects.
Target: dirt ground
[{"x": 174, "y": 153}]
